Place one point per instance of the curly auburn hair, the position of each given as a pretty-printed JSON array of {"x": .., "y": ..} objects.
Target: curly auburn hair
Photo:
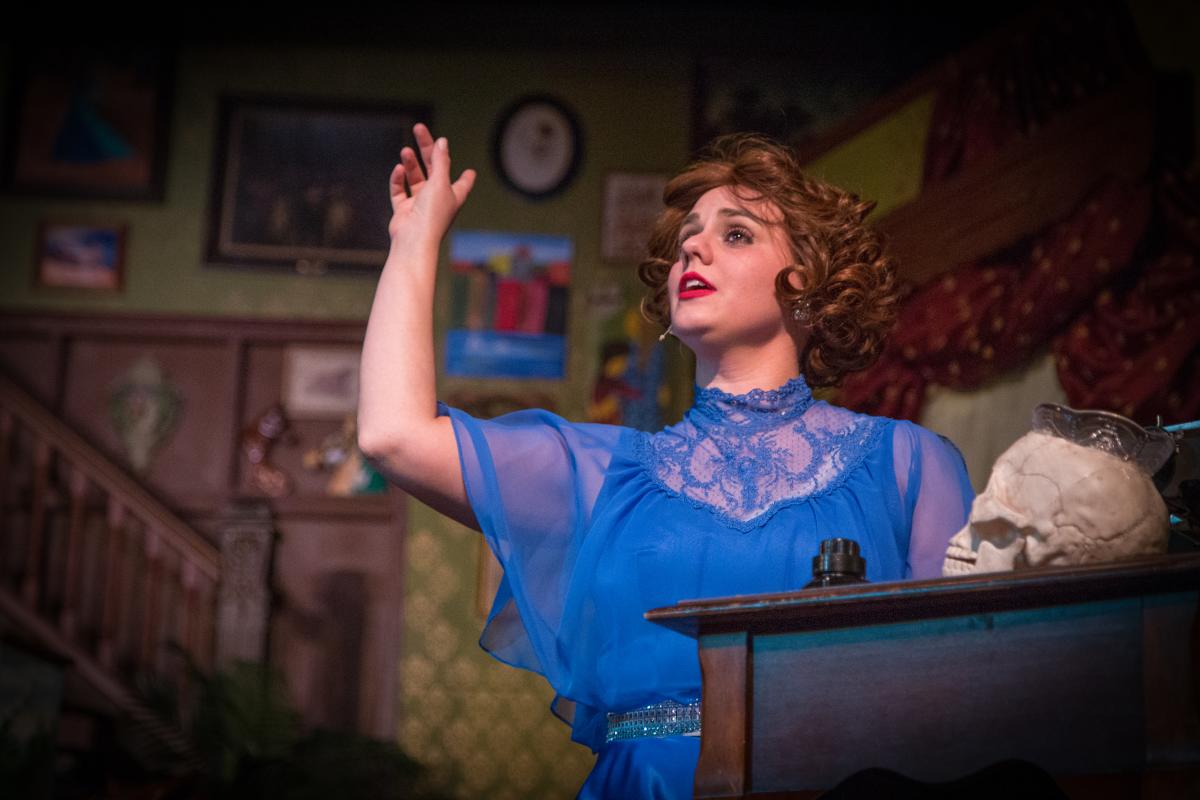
[{"x": 846, "y": 281}]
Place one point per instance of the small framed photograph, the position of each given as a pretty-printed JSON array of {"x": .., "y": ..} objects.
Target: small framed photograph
[
  {"x": 320, "y": 382},
  {"x": 80, "y": 255},
  {"x": 301, "y": 185},
  {"x": 88, "y": 122},
  {"x": 631, "y": 204}
]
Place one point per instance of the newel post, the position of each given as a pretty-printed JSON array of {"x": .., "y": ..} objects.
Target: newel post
[{"x": 244, "y": 593}]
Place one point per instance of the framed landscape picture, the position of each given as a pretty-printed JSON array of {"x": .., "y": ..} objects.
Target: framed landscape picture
[
  {"x": 301, "y": 185},
  {"x": 80, "y": 255},
  {"x": 320, "y": 382}
]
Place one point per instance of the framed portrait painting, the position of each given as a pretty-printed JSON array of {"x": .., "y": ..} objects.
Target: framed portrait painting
[{"x": 301, "y": 185}]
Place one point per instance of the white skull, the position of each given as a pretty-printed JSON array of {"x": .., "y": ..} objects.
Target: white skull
[{"x": 1051, "y": 502}]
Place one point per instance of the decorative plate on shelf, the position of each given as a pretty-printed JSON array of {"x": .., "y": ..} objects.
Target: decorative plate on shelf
[{"x": 537, "y": 146}]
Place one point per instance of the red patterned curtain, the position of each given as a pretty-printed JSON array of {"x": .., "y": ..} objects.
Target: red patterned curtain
[
  {"x": 1136, "y": 350},
  {"x": 1109, "y": 288},
  {"x": 985, "y": 319}
]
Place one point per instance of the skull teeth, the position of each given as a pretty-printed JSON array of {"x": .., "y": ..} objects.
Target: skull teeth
[
  {"x": 957, "y": 566},
  {"x": 960, "y": 553}
]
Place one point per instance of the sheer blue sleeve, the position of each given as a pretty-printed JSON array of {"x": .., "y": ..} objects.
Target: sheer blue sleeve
[
  {"x": 936, "y": 492},
  {"x": 532, "y": 479}
]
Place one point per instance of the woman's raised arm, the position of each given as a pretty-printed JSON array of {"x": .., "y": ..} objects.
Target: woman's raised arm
[{"x": 398, "y": 427}]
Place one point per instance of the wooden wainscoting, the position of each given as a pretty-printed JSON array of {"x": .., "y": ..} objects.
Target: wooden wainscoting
[{"x": 337, "y": 573}]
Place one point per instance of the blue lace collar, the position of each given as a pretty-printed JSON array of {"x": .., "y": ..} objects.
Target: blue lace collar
[
  {"x": 743, "y": 457},
  {"x": 789, "y": 400}
]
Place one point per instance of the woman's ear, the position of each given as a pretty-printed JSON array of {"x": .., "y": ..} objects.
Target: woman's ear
[
  {"x": 791, "y": 285},
  {"x": 792, "y": 281}
]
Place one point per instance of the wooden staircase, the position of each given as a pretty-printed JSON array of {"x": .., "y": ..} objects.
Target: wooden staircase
[{"x": 98, "y": 571}]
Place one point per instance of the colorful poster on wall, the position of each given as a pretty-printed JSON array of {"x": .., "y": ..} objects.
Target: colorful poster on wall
[
  {"x": 631, "y": 386},
  {"x": 508, "y": 305}
]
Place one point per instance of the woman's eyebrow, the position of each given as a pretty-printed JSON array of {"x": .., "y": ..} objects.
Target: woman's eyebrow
[
  {"x": 742, "y": 212},
  {"x": 737, "y": 211}
]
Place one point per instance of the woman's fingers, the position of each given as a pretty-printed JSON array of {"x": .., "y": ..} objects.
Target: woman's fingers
[
  {"x": 410, "y": 174},
  {"x": 462, "y": 187},
  {"x": 396, "y": 185},
  {"x": 440, "y": 173},
  {"x": 424, "y": 143},
  {"x": 441, "y": 160},
  {"x": 412, "y": 169}
]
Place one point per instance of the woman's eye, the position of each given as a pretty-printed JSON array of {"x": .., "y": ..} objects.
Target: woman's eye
[{"x": 738, "y": 235}]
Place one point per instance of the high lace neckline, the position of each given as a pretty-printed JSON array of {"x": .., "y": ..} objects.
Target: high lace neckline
[
  {"x": 789, "y": 400},
  {"x": 743, "y": 457}
]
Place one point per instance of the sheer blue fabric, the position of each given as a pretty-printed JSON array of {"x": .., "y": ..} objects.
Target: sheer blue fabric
[{"x": 595, "y": 524}]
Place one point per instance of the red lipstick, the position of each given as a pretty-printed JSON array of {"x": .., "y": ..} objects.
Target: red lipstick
[{"x": 691, "y": 284}]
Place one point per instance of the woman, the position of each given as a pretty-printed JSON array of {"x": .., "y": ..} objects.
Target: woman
[{"x": 774, "y": 282}]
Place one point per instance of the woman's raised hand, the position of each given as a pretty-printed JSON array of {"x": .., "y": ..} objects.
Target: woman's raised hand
[
  {"x": 423, "y": 206},
  {"x": 398, "y": 426}
]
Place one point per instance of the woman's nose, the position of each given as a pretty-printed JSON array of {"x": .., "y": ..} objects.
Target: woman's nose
[{"x": 696, "y": 247}]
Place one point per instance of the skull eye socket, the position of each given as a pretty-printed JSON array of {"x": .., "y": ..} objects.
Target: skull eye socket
[{"x": 996, "y": 531}]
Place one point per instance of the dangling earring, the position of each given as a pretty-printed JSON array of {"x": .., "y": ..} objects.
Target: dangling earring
[
  {"x": 801, "y": 312},
  {"x": 662, "y": 336}
]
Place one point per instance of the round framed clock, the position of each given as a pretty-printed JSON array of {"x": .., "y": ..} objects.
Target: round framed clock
[{"x": 537, "y": 146}]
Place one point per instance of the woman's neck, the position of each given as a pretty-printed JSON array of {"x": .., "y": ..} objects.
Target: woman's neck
[{"x": 744, "y": 369}]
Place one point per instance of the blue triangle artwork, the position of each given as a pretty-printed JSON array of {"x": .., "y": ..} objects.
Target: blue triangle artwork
[
  {"x": 508, "y": 305},
  {"x": 89, "y": 121},
  {"x": 85, "y": 137}
]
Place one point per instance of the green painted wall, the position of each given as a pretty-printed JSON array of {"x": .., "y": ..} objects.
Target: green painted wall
[
  {"x": 885, "y": 161},
  {"x": 630, "y": 116}
]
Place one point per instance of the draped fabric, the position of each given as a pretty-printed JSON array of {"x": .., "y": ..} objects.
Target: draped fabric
[
  {"x": 1107, "y": 289},
  {"x": 1112, "y": 290},
  {"x": 984, "y": 319},
  {"x": 1136, "y": 350}
]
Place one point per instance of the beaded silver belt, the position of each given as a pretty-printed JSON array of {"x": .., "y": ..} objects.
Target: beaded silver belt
[{"x": 661, "y": 719}]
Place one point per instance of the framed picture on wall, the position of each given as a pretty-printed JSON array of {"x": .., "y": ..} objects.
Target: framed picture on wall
[
  {"x": 88, "y": 122},
  {"x": 816, "y": 96},
  {"x": 509, "y": 297},
  {"x": 80, "y": 255},
  {"x": 301, "y": 185},
  {"x": 537, "y": 146},
  {"x": 632, "y": 202},
  {"x": 320, "y": 382}
]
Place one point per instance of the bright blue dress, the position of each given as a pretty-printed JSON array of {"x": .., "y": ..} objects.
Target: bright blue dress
[{"x": 595, "y": 524}]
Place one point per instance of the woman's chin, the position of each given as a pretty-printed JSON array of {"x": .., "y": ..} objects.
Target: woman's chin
[
  {"x": 703, "y": 341},
  {"x": 687, "y": 327}
]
